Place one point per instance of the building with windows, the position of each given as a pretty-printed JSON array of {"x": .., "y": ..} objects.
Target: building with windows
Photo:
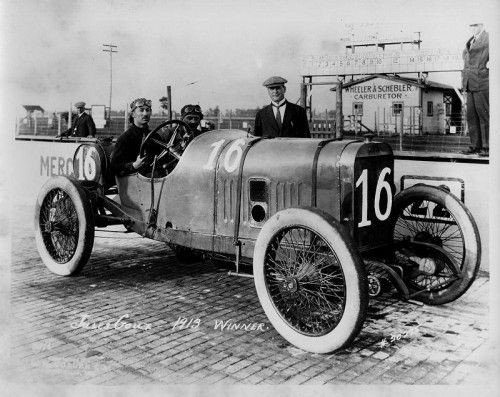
[
  {"x": 379, "y": 101},
  {"x": 375, "y": 95}
]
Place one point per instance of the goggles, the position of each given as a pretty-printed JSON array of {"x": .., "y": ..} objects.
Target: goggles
[
  {"x": 193, "y": 109},
  {"x": 140, "y": 102}
]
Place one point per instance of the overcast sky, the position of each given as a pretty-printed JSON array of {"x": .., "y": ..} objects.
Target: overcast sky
[{"x": 51, "y": 51}]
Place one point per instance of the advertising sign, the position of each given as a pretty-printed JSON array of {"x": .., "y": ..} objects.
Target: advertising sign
[
  {"x": 410, "y": 61},
  {"x": 379, "y": 90}
]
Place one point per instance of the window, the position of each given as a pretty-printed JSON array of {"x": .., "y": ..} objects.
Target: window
[
  {"x": 397, "y": 108},
  {"x": 357, "y": 108},
  {"x": 430, "y": 108},
  {"x": 448, "y": 109},
  {"x": 447, "y": 104}
]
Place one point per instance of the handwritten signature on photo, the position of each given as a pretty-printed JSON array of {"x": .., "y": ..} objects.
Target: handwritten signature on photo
[
  {"x": 221, "y": 325},
  {"x": 412, "y": 332},
  {"x": 120, "y": 324}
]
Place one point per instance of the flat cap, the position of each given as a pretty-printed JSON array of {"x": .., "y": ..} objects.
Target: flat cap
[
  {"x": 274, "y": 81},
  {"x": 79, "y": 105},
  {"x": 476, "y": 24}
]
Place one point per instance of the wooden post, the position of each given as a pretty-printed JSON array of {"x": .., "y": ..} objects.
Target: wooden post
[
  {"x": 125, "y": 121},
  {"x": 230, "y": 120},
  {"x": 70, "y": 116},
  {"x": 384, "y": 124},
  {"x": 169, "y": 96},
  {"x": 420, "y": 104},
  {"x": 303, "y": 95},
  {"x": 36, "y": 121},
  {"x": 58, "y": 123},
  {"x": 306, "y": 97},
  {"x": 412, "y": 116},
  {"x": 402, "y": 121},
  {"x": 401, "y": 130},
  {"x": 339, "y": 122}
]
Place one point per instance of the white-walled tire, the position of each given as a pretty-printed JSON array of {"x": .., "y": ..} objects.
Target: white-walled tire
[
  {"x": 64, "y": 226},
  {"x": 310, "y": 280}
]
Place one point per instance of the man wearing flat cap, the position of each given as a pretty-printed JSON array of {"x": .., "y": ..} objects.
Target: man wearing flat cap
[
  {"x": 82, "y": 125},
  {"x": 475, "y": 82},
  {"x": 281, "y": 118},
  {"x": 125, "y": 158}
]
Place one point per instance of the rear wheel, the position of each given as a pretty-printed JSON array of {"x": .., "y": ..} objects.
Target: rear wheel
[
  {"x": 64, "y": 226},
  {"x": 438, "y": 241},
  {"x": 310, "y": 281}
]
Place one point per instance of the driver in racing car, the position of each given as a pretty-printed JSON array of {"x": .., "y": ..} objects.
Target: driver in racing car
[
  {"x": 126, "y": 158},
  {"x": 192, "y": 116}
]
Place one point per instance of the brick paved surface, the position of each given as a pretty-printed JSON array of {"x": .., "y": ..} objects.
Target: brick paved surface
[{"x": 68, "y": 330}]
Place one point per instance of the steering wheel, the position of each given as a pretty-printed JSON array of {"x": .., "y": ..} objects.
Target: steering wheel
[{"x": 168, "y": 147}]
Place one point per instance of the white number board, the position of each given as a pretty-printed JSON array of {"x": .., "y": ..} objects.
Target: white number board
[{"x": 456, "y": 186}]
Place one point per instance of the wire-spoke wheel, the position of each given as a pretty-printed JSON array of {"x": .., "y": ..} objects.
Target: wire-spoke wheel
[
  {"x": 309, "y": 279},
  {"x": 443, "y": 243},
  {"x": 64, "y": 226}
]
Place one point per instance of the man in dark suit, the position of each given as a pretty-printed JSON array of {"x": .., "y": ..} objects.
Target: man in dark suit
[
  {"x": 281, "y": 118},
  {"x": 82, "y": 125},
  {"x": 475, "y": 81}
]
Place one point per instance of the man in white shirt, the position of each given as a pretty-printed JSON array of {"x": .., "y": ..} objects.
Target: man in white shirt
[{"x": 281, "y": 118}]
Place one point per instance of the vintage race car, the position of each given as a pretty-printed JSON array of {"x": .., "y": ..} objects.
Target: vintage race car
[{"x": 318, "y": 220}]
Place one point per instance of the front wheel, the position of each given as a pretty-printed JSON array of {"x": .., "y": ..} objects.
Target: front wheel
[
  {"x": 310, "y": 281},
  {"x": 64, "y": 226},
  {"x": 438, "y": 240}
]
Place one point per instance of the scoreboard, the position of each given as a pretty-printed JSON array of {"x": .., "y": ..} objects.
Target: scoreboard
[{"x": 363, "y": 63}]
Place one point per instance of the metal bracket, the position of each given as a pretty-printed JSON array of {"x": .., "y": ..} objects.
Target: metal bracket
[{"x": 237, "y": 246}]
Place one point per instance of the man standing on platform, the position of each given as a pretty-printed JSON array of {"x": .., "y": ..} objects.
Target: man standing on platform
[
  {"x": 82, "y": 125},
  {"x": 281, "y": 118},
  {"x": 475, "y": 81}
]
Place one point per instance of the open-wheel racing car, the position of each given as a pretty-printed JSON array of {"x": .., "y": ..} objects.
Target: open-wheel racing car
[{"x": 317, "y": 219}]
